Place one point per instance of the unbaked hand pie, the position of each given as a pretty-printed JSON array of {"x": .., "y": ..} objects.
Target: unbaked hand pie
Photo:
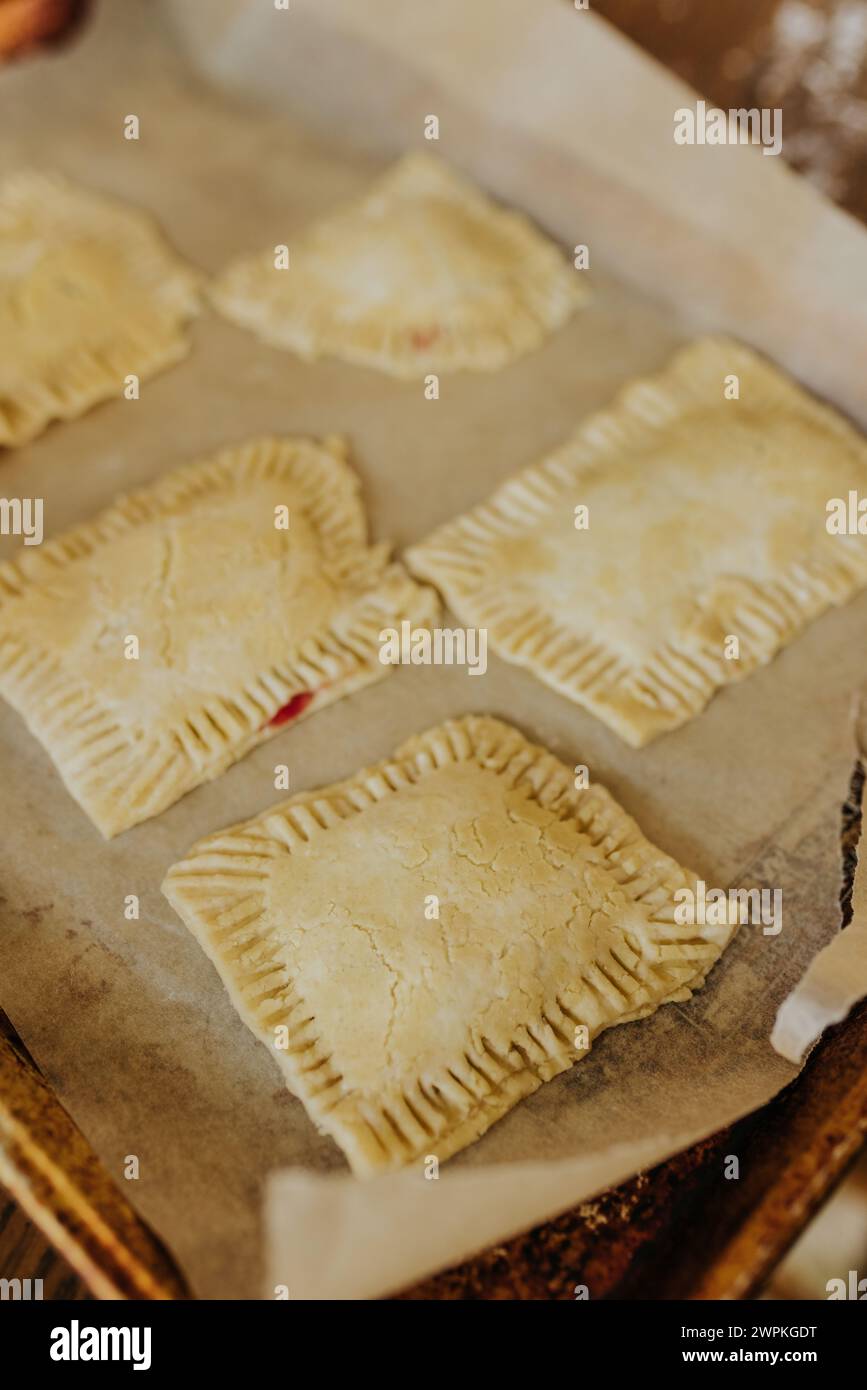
[
  {"x": 423, "y": 945},
  {"x": 89, "y": 295},
  {"x": 620, "y": 567},
  {"x": 423, "y": 274},
  {"x": 153, "y": 646}
]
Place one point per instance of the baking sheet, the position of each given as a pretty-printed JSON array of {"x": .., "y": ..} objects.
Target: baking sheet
[{"x": 128, "y": 1019}]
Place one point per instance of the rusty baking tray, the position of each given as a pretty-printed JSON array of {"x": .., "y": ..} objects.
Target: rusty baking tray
[{"x": 633, "y": 1241}]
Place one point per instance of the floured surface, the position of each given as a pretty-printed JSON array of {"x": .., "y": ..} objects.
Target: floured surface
[{"x": 139, "y": 1038}]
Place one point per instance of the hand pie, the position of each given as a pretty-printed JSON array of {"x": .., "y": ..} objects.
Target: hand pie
[
  {"x": 422, "y": 274},
  {"x": 705, "y": 520},
  {"x": 154, "y": 646},
  {"x": 89, "y": 294},
  {"x": 421, "y": 944}
]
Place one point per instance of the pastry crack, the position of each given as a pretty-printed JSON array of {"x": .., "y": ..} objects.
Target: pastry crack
[
  {"x": 239, "y": 630},
  {"x": 421, "y": 1033}
]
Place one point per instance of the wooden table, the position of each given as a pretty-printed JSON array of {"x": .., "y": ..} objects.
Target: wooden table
[{"x": 676, "y": 1231}]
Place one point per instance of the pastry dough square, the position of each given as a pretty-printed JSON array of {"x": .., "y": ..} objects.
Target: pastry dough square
[
  {"x": 89, "y": 294},
  {"x": 707, "y": 520},
  {"x": 407, "y": 1034},
  {"x": 241, "y": 625},
  {"x": 422, "y": 274}
]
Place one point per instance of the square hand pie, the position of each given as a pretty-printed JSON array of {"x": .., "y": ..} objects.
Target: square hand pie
[
  {"x": 89, "y": 294},
  {"x": 705, "y": 520},
  {"x": 152, "y": 647},
  {"x": 422, "y": 274},
  {"x": 426, "y": 943}
]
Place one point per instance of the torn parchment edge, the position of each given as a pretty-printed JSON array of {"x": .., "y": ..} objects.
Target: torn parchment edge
[{"x": 836, "y": 979}]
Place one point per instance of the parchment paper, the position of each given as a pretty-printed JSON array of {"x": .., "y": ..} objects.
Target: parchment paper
[{"x": 128, "y": 1019}]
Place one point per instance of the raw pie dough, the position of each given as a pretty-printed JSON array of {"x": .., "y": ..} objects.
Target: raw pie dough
[
  {"x": 422, "y": 274},
  {"x": 706, "y": 520},
  {"x": 89, "y": 294},
  {"x": 406, "y": 1035},
  {"x": 241, "y": 626}
]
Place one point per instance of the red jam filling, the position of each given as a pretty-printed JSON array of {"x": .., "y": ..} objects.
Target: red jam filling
[
  {"x": 424, "y": 338},
  {"x": 291, "y": 710}
]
